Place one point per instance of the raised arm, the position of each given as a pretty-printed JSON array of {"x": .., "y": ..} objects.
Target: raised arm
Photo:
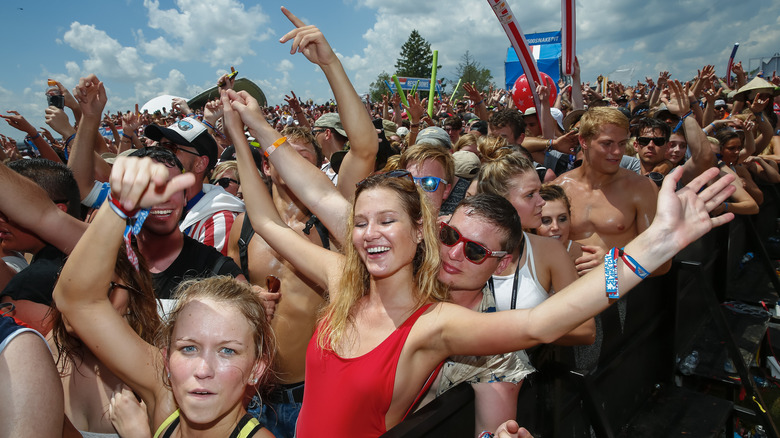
[
  {"x": 702, "y": 157},
  {"x": 25, "y": 203},
  {"x": 359, "y": 162},
  {"x": 683, "y": 217},
  {"x": 17, "y": 121},
  {"x": 315, "y": 262},
  {"x": 80, "y": 293},
  {"x": 91, "y": 96}
]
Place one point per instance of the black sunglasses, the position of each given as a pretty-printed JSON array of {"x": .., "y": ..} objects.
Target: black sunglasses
[
  {"x": 173, "y": 147},
  {"x": 644, "y": 141},
  {"x": 224, "y": 182},
  {"x": 475, "y": 252}
]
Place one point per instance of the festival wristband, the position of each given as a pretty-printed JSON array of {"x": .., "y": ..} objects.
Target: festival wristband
[
  {"x": 680, "y": 123},
  {"x": 268, "y": 151},
  {"x": 134, "y": 221},
  {"x": 611, "y": 274},
  {"x": 632, "y": 264}
]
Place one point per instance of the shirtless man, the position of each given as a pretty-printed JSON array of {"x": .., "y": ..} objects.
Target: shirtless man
[
  {"x": 610, "y": 205},
  {"x": 295, "y": 315}
]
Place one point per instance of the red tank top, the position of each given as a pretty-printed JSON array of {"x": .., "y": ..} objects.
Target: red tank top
[{"x": 350, "y": 397}]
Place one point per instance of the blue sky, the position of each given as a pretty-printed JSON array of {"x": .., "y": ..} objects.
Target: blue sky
[{"x": 145, "y": 48}]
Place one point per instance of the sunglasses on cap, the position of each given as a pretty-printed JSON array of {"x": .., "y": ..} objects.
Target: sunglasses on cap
[
  {"x": 475, "y": 252},
  {"x": 644, "y": 141},
  {"x": 400, "y": 173},
  {"x": 428, "y": 183},
  {"x": 224, "y": 182}
]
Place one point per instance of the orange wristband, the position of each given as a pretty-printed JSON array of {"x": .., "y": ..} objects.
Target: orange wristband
[{"x": 273, "y": 147}]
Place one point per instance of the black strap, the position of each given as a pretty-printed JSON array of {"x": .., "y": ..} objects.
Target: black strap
[
  {"x": 513, "y": 303},
  {"x": 171, "y": 427},
  {"x": 321, "y": 230},
  {"x": 243, "y": 245}
]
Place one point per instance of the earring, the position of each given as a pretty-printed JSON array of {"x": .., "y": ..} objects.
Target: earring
[
  {"x": 253, "y": 381},
  {"x": 169, "y": 375}
]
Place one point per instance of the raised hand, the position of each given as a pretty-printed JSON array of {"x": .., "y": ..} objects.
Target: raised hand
[
  {"x": 212, "y": 111},
  {"x": 683, "y": 216},
  {"x": 70, "y": 101},
  {"x": 676, "y": 99},
  {"x": 91, "y": 96},
  {"x": 130, "y": 123},
  {"x": 417, "y": 108},
  {"x": 180, "y": 104},
  {"x": 15, "y": 120},
  {"x": 308, "y": 40},
  {"x": 295, "y": 106},
  {"x": 143, "y": 183},
  {"x": 473, "y": 93}
]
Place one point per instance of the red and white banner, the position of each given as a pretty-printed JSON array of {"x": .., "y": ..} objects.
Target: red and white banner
[
  {"x": 569, "y": 36},
  {"x": 516, "y": 37}
]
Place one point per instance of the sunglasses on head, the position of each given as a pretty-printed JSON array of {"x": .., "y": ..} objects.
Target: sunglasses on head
[
  {"x": 114, "y": 285},
  {"x": 658, "y": 141},
  {"x": 400, "y": 173},
  {"x": 429, "y": 183},
  {"x": 475, "y": 252},
  {"x": 224, "y": 182}
]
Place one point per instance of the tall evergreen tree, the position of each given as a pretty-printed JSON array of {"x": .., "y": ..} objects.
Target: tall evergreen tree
[
  {"x": 470, "y": 70},
  {"x": 416, "y": 57},
  {"x": 378, "y": 87}
]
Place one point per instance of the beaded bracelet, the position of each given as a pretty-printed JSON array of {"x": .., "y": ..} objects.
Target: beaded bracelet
[{"x": 268, "y": 151}]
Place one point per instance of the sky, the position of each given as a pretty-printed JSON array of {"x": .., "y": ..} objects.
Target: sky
[{"x": 144, "y": 48}]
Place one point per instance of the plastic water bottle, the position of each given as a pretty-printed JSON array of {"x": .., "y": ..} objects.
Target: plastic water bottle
[
  {"x": 54, "y": 96},
  {"x": 689, "y": 364}
]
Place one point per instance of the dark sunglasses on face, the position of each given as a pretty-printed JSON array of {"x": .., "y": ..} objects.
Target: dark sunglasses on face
[
  {"x": 474, "y": 252},
  {"x": 644, "y": 141},
  {"x": 224, "y": 182},
  {"x": 173, "y": 147},
  {"x": 429, "y": 183}
]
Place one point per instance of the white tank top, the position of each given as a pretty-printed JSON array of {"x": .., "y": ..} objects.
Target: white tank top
[{"x": 529, "y": 292}]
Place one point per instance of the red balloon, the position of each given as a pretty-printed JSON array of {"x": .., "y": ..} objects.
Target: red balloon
[{"x": 524, "y": 98}]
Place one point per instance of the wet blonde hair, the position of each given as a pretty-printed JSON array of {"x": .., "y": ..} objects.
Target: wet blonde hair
[
  {"x": 228, "y": 290},
  {"x": 355, "y": 282}
]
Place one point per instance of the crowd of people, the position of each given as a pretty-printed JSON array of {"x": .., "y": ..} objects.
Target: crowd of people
[{"x": 306, "y": 269}]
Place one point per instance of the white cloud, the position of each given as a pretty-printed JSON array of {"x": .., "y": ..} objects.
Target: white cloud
[
  {"x": 650, "y": 36},
  {"x": 285, "y": 65},
  {"x": 217, "y": 31},
  {"x": 106, "y": 57}
]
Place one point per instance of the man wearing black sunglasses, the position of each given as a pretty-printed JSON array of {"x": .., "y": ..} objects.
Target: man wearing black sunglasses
[
  {"x": 210, "y": 211},
  {"x": 651, "y": 146}
]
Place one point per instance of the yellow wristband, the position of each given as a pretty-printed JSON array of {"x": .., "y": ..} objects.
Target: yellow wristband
[{"x": 273, "y": 147}]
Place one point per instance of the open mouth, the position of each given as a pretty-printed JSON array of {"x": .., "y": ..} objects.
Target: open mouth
[
  {"x": 160, "y": 212},
  {"x": 378, "y": 250}
]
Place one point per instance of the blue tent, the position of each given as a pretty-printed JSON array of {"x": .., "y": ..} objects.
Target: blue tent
[{"x": 546, "y": 47}]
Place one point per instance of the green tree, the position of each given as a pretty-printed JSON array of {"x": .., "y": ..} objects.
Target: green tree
[
  {"x": 416, "y": 57},
  {"x": 470, "y": 70},
  {"x": 378, "y": 87}
]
